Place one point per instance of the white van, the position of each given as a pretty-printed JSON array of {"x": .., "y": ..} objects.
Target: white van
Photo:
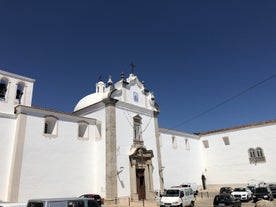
[
  {"x": 176, "y": 196},
  {"x": 13, "y": 204},
  {"x": 192, "y": 185}
]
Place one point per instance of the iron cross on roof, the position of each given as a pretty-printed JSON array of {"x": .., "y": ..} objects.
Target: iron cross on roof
[{"x": 132, "y": 67}]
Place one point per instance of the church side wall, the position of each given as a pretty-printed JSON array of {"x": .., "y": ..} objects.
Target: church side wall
[
  {"x": 229, "y": 164},
  {"x": 7, "y": 128},
  {"x": 60, "y": 166},
  {"x": 181, "y": 160},
  {"x": 99, "y": 154}
]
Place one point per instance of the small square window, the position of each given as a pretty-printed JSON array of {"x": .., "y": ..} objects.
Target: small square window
[
  {"x": 226, "y": 140},
  {"x": 83, "y": 130},
  {"x": 205, "y": 143}
]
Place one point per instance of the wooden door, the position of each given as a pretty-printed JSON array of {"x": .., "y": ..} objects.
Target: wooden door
[{"x": 140, "y": 181}]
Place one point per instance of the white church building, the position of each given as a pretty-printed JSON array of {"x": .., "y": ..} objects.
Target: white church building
[{"x": 111, "y": 145}]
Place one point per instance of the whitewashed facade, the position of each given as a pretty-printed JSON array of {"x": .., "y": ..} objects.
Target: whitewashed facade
[{"x": 111, "y": 144}]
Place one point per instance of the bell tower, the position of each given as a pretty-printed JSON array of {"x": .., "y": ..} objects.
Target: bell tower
[{"x": 14, "y": 90}]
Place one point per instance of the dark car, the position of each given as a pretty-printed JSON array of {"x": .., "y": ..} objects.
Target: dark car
[
  {"x": 273, "y": 189},
  {"x": 95, "y": 197},
  {"x": 226, "y": 200},
  {"x": 263, "y": 193},
  {"x": 225, "y": 190},
  {"x": 252, "y": 188}
]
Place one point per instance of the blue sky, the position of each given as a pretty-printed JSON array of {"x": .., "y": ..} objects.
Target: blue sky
[{"x": 194, "y": 55}]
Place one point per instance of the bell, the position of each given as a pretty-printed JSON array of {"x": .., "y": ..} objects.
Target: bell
[
  {"x": 19, "y": 94},
  {"x": 3, "y": 90}
]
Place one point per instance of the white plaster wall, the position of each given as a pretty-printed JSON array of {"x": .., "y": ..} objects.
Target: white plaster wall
[
  {"x": 7, "y": 128},
  {"x": 141, "y": 96},
  {"x": 230, "y": 164},
  {"x": 99, "y": 154},
  {"x": 180, "y": 165},
  {"x": 124, "y": 121},
  {"x": 57, "y": 167},
  {"x": 149, "y": 138}
]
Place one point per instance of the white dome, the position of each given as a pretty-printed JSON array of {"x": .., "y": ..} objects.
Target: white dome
[{"x": 89, "y": 100}]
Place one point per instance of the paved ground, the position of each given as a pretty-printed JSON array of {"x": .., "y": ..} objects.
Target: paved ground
[
  {"x": 200, "y": 202},
  {"x": 208, "y": 202}
]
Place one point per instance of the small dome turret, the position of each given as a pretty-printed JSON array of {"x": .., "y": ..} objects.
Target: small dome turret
[{"x": 100, "y": 87}]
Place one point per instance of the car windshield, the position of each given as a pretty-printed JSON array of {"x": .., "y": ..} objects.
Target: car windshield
[
  {"x": 261, "y": 190},
  {"x": 223, "y": 199},
  {"x": 35, "y": 204},
  {"x": 239, "y": 189},
  {"x": 171, "y": 193},
  {"x": 225, "y": 190},
  {"x": 97, "y": 196}
]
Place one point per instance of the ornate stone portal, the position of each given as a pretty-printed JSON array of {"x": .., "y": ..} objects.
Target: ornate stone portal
[{"x": 141, "y": 173}]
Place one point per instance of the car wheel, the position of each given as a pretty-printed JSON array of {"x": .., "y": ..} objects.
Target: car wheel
[{"x": 192, "y": 204}]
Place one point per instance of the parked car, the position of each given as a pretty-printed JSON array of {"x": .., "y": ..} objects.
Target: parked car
[
  {"x": 178, "y": 196},
  {"x": 225, "y": 190},
  {"x": 252, "y": 188},
  {"x": 226, "y": 200},
  {"x": 95, "y": 197},
  {"x": 273, "y": 189},
  {"x": 62, "y": 202},
  {"x": 244, "y": 194},
  {"x": 263, "y": 193}
]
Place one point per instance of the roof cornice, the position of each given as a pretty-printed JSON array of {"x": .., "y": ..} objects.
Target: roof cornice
[
  {"x": 258, "y": 124},
  {"x": 177, "y": 133},
  {"x": 20, "y": 109}
]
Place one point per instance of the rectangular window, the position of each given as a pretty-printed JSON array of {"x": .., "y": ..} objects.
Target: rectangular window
[
  {"x": 46, "y": 128},
  {"x": 187, "y": 144},
  {"x": 83, "y": 130},
  {"x": 174, "y": 143},
  {"x": 226, "y": 140},
  {"x": 205, "y": 143},
  {"x": 136, "y": 131},
  {"x": 256, "y": 155},
  {"x": 50, "y": 126}
]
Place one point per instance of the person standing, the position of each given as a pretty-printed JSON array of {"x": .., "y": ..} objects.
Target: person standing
[{"x": 203, "y": 178}]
